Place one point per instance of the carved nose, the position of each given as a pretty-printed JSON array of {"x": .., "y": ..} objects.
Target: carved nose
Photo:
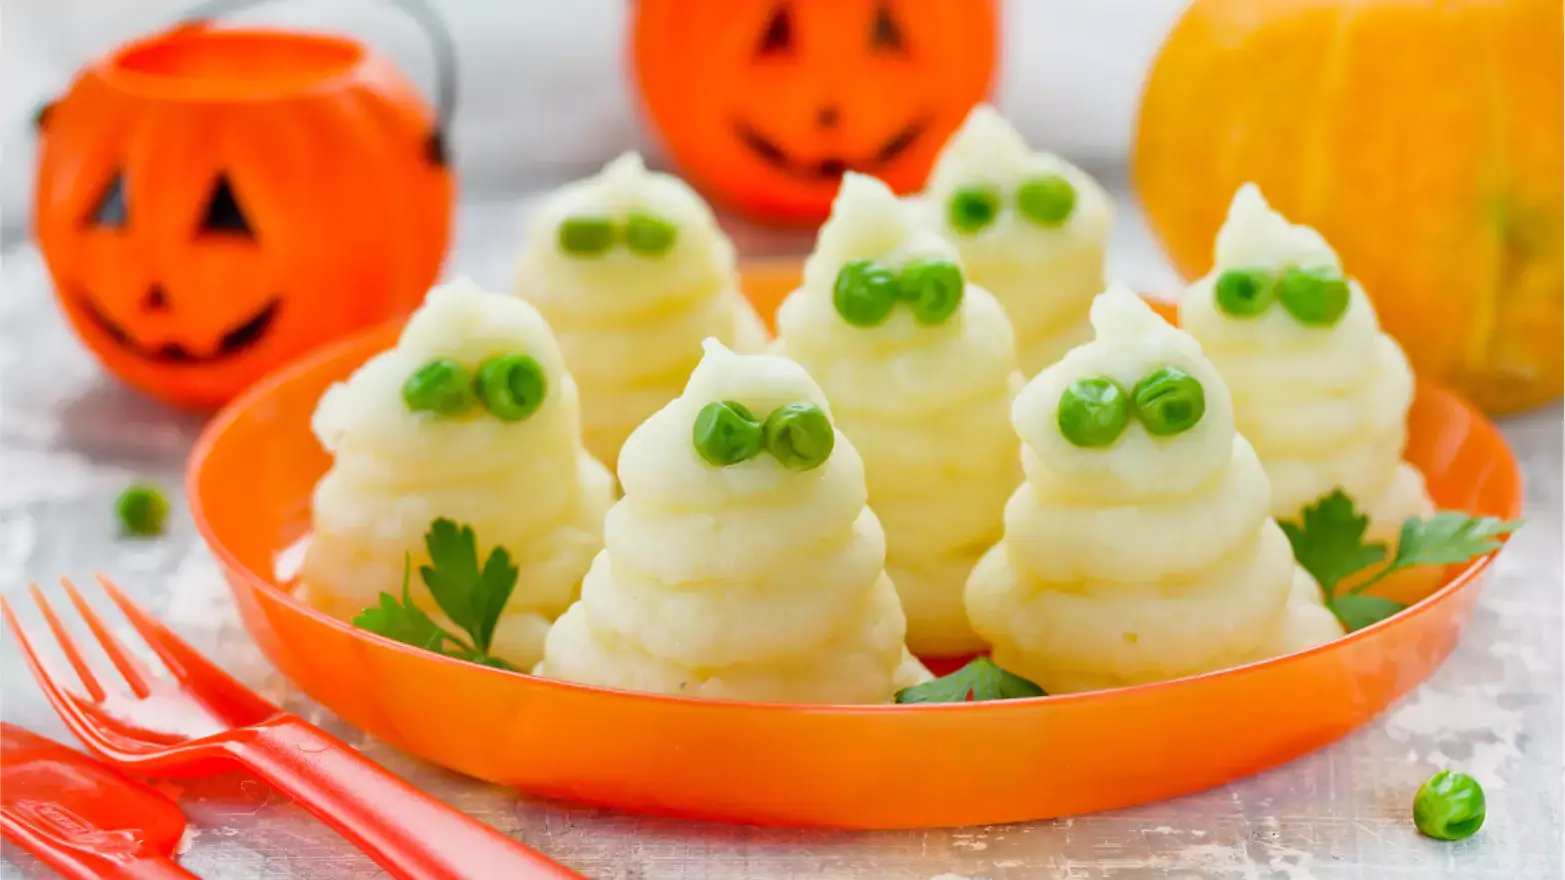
[
  {"x": 155, "y": 300},
  {"x": 826, "y": 116}
]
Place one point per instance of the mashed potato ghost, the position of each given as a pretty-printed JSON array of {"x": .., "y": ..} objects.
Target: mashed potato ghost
[
  {"x": 1030, "y": 228},
  {"x": 1319, "y": 390},
  {"x": 1140, "y": 547},
  {"x": 742, "y": 562},
  {"x": 510, "y": 465},
  {"x": 920, "y": 368},
  {"x": 632, "y": 273}
]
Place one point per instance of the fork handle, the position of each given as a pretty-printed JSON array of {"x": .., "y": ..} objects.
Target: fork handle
[{"x": 408, "y": 833}]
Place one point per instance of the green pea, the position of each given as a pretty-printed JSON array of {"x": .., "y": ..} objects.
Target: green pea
[
  {"x": 800, "y": 436},
  {"x": 865, "y": 293},
  {"x": 649, "y": 234},
  {"x": 1170, "y": 401},
  {"x": 972, "y": 208},
  {"x": 512, "y": 386},
  {"x": 1245, "y": 293},
  {"x": 726, "y": 433},
  {"x": 440, "y": 386},
  {"x": 1093, "y": 412},
  {"x": 586, "y": 236},
  {"x": 1046, "y": 200},
  {"x": 142, "y": 509},
  {"x": 1449, "y": 806},
  {"x": 1316, "y": 296},
  {"x": 932, "y": 289}
]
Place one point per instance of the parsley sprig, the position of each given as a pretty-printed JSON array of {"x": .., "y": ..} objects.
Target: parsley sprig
[
  {"x": 979, "y": 680},
  {"x": 472, "y": 596},
  {"x": 1328, "y": 540}
]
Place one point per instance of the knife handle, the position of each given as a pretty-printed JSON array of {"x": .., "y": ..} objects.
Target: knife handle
[{"x": 81, "y": 864}]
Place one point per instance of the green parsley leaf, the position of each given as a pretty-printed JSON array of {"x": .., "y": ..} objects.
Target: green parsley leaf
[
  {"x": 471, "y": 597},
  {"x": 978, "y": 680},
  {"x": 495, "y": 586},
  {"x": 1328, "y": 541},
  {"x": 402, "y": 620},
  {"x": 1360, "y": 610},
  {"x": 1448, "y": 538}
]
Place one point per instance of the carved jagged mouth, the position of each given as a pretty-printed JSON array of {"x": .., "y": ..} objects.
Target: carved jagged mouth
[
  {"x": 243, "y": 336},
  {"x": 831, "y": 167}
]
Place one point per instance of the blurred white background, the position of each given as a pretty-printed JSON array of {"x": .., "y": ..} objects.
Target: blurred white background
[{"x": 544, "y": 93}]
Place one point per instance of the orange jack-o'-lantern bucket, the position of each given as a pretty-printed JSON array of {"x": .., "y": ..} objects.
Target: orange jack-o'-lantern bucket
[
  {"x": 212, "y": 203},
  {"x": 764, "y": 104}
]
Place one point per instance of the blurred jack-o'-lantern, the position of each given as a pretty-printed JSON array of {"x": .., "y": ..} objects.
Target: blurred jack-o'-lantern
[
  {"x": 765, "y": 103},
  {"x": 212, "y": 203}
]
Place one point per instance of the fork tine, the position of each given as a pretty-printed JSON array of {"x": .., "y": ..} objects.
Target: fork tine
[
  {"x": 67, "y": 644},
  {"x": 134, "y": 672},
  {"x": 185, "y": 662},
  {"x": 67, "y": 704}
]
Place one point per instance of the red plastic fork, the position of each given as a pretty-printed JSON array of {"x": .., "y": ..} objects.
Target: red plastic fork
[{"x": 203, "y": 722}]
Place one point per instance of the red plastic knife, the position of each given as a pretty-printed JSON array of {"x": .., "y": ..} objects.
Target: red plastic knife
[{"x": 81, "y": 818}]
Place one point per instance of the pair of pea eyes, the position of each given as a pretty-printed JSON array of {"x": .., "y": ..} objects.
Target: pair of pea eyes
[
  {"x": 1047, "y": 201},
  {"x": 592, "y": 235},
  {"x": 866, "y": 292},
  {"x": 798, "y": 435},
  {"x": 1316, "y": 296},
  {"x": 510, "y": 386},
  {"x": 1094, "y": 412}
]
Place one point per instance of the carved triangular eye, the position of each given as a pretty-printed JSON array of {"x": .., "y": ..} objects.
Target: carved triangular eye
[
  {"x": 222, "y": 211},
  {"x": 110, "y": 212},
  {"x": 885, "y": 35},
  {"x": 778, "y": 37}
]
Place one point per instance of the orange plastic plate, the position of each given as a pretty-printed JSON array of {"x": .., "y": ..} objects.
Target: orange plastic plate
[{"x": 853, "y": 766}]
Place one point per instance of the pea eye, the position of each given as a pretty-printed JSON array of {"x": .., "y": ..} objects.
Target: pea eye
[
  {"x": 799, "y": 436},
  {"x": 440, "y": 386},
  {"x": 972, "y": 208},
  {"x": 1316, "y": 296},
  {"x": 932, "y": 289},
  {"x": 586, "y": 236},
  {"x": 726, "y": 433},
  {"x": 865, "y": 293},
  {"x": 1093, "y": 412},
  {"x": 1245, "y": 293},
  {"x": 649, "y": 234},
  {"x": 1168, "y": 402},
  {"x": 512, "y": 386},
  {"x": 1046, "y": 200}
]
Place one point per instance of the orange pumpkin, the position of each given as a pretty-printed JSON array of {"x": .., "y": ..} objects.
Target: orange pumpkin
[
  {"x": 765, "y": 103},
  {"x": 213, "y": 203},
  {"x": 1422, "y": 139}
]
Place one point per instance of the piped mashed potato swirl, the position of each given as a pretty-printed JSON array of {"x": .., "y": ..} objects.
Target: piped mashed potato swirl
[
  {"x": 525, "y": 485},
  {"x": 631, "y": 321},
  {"x": 1149, "y": 557},
  {"x": 751, "y": 581},
  {"x": 1325, "y": 405},
  {"x": 1044, "y": 275},
  {"x": 926, "y": 405}
]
